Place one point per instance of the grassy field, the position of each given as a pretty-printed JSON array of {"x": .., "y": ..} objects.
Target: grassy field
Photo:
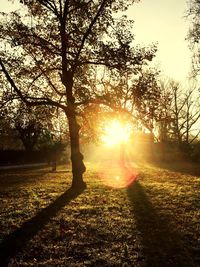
[{"x": 154, "y": 222}]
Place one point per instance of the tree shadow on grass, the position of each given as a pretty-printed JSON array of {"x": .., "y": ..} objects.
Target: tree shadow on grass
[
  {"x": 183, "y": 167},
  {"x": 14, "y": 242},
  {"x": 61, "y": 171},
  {"x": 162, "y": 245}
]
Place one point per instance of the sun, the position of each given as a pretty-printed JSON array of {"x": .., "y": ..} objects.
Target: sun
[{"x": 115, "y": 132}]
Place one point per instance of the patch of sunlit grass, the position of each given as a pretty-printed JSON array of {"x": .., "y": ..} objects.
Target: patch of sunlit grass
[{"x": 102, "y": 226}]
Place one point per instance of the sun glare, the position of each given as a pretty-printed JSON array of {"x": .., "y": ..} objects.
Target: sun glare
[{"x": 115, "y": 133}]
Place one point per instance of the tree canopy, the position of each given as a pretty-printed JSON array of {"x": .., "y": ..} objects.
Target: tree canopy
[
  {"x": 194, "y": 33},
  {"x": 52, "y": 50}
]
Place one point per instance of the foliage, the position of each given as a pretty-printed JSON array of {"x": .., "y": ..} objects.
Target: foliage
[
  {"x": 51, "y": 51},
  {"x": 53, "y": 146},
  {"x": 185, "y": 114},
  {"x": 195, "y": 151},
  {"x": 38, "y": 63},
  {"x": 194, "y": 33},
  {"x": 147, "y": 96},
  {"x": 29, "y": 124}
]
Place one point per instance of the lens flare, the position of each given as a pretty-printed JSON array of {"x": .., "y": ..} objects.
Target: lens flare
[{"x": 118, "y": 174}]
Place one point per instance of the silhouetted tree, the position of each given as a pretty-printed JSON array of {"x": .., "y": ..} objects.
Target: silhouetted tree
[
  {"x": 182, "y": 114},
  {"x": 51, "y": 48},
  {"x": 147, "y": 97},
  {"x": 29, "y": 124},
  {"x": 186, "y": 113},
  {"x": 134, "y": 94},
  {"x": 194, "y": 33},
  {"x": 165, "y": 118}
]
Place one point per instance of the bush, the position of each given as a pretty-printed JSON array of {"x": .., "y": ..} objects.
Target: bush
[
  {"x": 48, "y": 155},
  {"x": 8, "y": 157}
]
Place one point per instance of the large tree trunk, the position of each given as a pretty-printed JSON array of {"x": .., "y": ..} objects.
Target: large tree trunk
[
  {"x": 78, "y": 167},
  {"x": 67, "y": 76}
]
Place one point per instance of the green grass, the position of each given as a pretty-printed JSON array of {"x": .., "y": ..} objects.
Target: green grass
[{"x": 155, "y": 222}]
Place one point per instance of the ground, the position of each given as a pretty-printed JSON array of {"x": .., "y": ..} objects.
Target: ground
[{"x": 154, "y": 222}]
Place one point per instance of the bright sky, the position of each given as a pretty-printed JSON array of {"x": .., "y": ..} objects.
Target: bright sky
[
  {"x": 163, "y": 21},
  {"x": 158, "y": 21}
]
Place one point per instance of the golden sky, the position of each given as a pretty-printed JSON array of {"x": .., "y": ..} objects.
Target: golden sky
[
  {"x": 159, "y": 21},
  {"x": 163, "y": 21}
]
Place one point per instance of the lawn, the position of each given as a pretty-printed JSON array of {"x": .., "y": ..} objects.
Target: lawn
[{"x": 154, "y": 222}]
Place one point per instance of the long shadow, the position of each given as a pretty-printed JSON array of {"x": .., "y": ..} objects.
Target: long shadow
[
  {"x": 181, "y": 167},
  {"x": 61, "y": 171},
  {"x": 14, "y": 242},
  {"x": 161, "y": 244}
]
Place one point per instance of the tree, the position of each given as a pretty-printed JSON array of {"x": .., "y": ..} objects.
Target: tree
[
  {"x": 29, "y": 124},
  {"x": 147, "y": 97},
  {"x": 165, "y": 118},
  {"x": 194, "y": 33},
  {"x": 53, "y": 146},
  {"x": 52, "y": 48},
  {"x": 186, "y": 113},
  {"x": 183, "y": 115},
  {"x": 136, "y": 95}
]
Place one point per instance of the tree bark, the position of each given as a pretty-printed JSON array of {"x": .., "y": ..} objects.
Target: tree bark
[{"x": 78, "y": 167}]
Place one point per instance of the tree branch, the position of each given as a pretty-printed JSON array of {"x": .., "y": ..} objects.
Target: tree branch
[
  {"x": 27, "y": 100},
  {"x": 88, "y": 32}
]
